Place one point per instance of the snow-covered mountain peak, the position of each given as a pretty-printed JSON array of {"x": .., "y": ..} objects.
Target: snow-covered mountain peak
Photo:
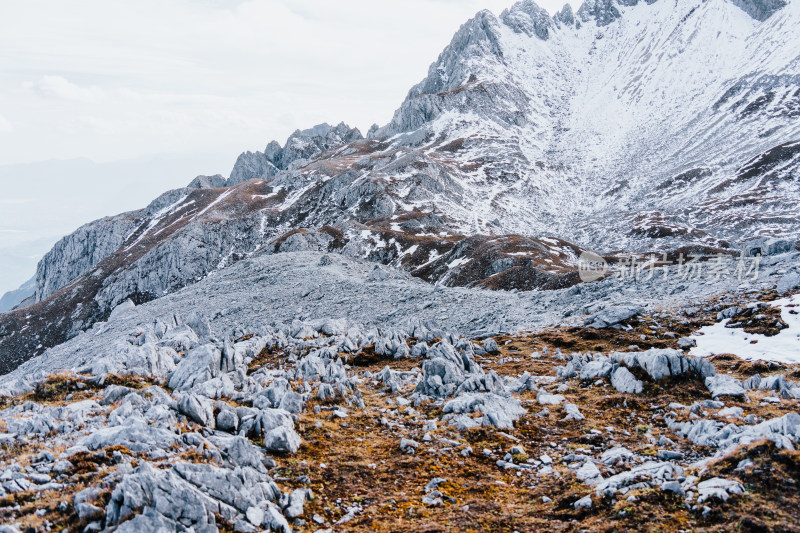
[
  {"x": 606, "y": 110},
  {"x": 528, "y": 18}
]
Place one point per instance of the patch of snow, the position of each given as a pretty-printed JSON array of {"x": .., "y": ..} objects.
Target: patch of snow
[
  {"x": 783, "y": 348},
  {"x": 157, "y": 217},
  {"x": 215, "y": 202},
  {"x": 457, "y": 262}
]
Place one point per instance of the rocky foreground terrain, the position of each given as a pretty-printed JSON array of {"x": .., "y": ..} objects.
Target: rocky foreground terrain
[
  {"x": 396, "y": 332},
  {"x": 325, "y": 425}
]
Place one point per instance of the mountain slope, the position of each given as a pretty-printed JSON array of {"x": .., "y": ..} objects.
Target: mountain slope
[
  {"x": 622, "y": 127},
  {"x": 660, "y": 108}
]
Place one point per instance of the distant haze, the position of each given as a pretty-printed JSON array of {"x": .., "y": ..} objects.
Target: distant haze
[
  {"x": 43, "y": 201},
  {"x": 105, "y": 104}
]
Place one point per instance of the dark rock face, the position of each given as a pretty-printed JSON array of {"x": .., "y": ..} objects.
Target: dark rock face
[{"x": 760, "y": 9}]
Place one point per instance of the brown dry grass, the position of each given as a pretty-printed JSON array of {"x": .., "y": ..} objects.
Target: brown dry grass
[
  {"x": 357, "y": 460},
  {"x": 363, "y": 463}
]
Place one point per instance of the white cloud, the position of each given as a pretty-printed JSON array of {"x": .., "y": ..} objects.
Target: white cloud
[
  {"x": 5, "y": 125},
  {"x": 59, "y": 87},
  {"x": 111, "y": 79}
]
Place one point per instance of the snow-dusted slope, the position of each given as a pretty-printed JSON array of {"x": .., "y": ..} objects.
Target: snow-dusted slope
[{"x": 657, "y": 109}]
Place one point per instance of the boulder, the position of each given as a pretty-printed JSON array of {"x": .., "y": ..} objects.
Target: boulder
[
  {"x": 625, "y": 382},
  {"x": 545, "y": 398},
  {"x": 718, "y": 488},
  {"x": 617, "y": 455},
  {"x": 498, "y": 411},
  {"x": 227, "y": 420},
  {"x": 686, "y": 343},
  {"x": 282, "y": 439},
  {"x": 114, "y": 393},
  {"x": 725, "y": 386},
  {"x": 295, "y": 502},
  {"x": 661, "y": 363},
  {"x": 573, "y": 413},
  {"x": 652, "y": 473},
  {"x": 589, "y": 473},
  {"x": 199, "y": 366},
  {"x": 613, "y": 316},
  {"x": 596, "y": 369},
  {"x": 189, "y": 493},
  {"x": 408, "y": 446},
  {"x": 135, "y": 435},
  {"x": 198, "y": 409}
]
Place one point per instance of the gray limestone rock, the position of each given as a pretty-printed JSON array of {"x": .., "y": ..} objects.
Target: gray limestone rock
[
  {"x": 573, "y": 413},
  {"x": 80, "y": 251},
  {"x": 114, "y": 393},
  {"x": 282, "y": 439},
  {"x": 725, "y": 386},
  {"x": 545, "y": 398},
  {"x": 789, "y": 282},
  {"x": 251, "y": 165},
  {"x": 295, "y": 502},
  {"x": 783, "y": 431},
  {"x": 752, "y": 383},
  {"x": 408, "y": 446},
  {"x": 497, "y": 411},
  {"x": 612, "y": 316},
  {"x": 589, "y": 473},
  {"x": 596, "y": 369},
  {"x": 625, "y": 382},
  {"x": 199, "y": 365},
  {"x": 661, "y": 363},
  {"x": 198, "y": 409},
  {"x": 718, "y": 488},
  {"x": 227, "y": 420},
  {"x": 686, "y": 343},
  {"x": 207, "y": 182},
  {"x": 187, "y": 493},
  {"x": 617, "y": 455},
  {"x": 135, "y": 434},
  {"x": 655, "y": 473}
]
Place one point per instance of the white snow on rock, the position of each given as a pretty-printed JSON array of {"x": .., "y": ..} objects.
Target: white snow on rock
[{"x": 783, "y": 347}]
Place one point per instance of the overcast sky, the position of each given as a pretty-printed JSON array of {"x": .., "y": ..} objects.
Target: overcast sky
[{"x": 192, "y": 83}]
